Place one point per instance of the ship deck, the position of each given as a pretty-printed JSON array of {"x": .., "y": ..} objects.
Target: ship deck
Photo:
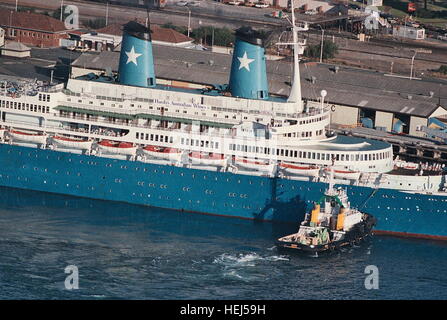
[
  {"x": 218, "y": 90},
  {"x": 346, "y": 143}
]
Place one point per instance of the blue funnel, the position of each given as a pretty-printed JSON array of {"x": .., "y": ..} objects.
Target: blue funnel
[
  {"x": 248, "y": 77},
  {"x": 136, "y": 66}
]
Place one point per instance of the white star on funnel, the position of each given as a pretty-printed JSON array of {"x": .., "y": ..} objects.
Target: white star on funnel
[
  {"x": 132, "y": 56},
  {"x": 245, "y": 62}
]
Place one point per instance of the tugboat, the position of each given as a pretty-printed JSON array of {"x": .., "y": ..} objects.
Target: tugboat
[{"x": 330, "y": 225}]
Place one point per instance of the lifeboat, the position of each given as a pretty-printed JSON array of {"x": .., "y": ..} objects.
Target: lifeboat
[
  {"x": 345, "y": 174},
  {"x": 253, "y": 164},
  {"x": 28, "y": 136},
  {"x": 210, "y": 159},
  {"x": 308, "y": 171},
  {"x": 125, "y": 148},
  {"x": 163, "y": 152},
  {"x": 72, "y": 143}
]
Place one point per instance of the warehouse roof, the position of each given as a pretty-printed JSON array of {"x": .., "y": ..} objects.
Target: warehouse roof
[
  {"x": 157, "y": 33},
  {"x": 346, "y": 86},
  {"x": 31, "y": 21}
]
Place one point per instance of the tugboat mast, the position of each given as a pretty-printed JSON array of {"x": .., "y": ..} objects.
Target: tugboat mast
[{"x": 330, "y": 190}]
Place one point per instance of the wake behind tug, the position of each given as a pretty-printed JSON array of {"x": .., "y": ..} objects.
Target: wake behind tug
[{"x": 331, "y": 224}]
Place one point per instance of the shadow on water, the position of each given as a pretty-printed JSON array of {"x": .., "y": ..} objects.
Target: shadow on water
[{"x": 98, "y": 213}]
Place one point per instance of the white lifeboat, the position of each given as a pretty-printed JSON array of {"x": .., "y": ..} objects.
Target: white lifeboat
[
  {"x": 210, "y": 159},
  {"x": 32, "y": 137},
  {"x": 301, "y": 170},
  {"x": 72, "y": 143},
  {"x": 345, "y": 174},
  {"x": 114, "y": 147},
  {"x": 253, "y": 164},
  {"x": 163, "y": 152}
]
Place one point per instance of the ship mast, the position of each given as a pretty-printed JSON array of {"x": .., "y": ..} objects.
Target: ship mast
[{"x": 298, "y": 48}]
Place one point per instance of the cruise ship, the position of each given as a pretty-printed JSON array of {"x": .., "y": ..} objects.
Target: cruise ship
[{"x": 231, "y": 150}]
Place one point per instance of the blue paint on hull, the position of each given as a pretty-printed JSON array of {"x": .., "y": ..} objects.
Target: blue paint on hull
[{"x": 204, "y": 191}]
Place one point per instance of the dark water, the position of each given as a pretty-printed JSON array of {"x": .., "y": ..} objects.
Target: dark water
[{"x": 133, "y": 252}]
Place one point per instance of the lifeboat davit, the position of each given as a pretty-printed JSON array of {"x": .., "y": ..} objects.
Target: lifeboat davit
[
  {"x": 253, "y": 164},
  {"x": 125, "y": 148},
  {"x": 28, "y": 136},
  {"x": 72, "y": 143},
  {"x": 210, "y": 159},
  {"x": 163, "y": 152},
  {"x": 345, "y": 174},
  {"x": 301, "y": 170}
]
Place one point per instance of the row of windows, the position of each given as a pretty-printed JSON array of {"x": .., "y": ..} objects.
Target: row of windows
[
  {"x": 306, "y": 134},
  {"x": 24, "y": 106},
  {"x": 15, "y": 33},
  {"x": 200, "y": 143},
  {"x": 154, "y": 137},
  {"x": 313, "y": 120},
  {"x": 311, "y": 155},
  {"x": 44, "y": 97}
]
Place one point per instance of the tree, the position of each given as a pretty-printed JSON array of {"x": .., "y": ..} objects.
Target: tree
[
  {"x": 96, "y": 23},
  {"x": 330, "y": 49},
  {"x": 443, "y": 69},
  {"x": 214, "y": 36},
  {"x": 26, "y": 9}
]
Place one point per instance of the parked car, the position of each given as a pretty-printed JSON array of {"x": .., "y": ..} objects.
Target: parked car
[
  {"x": 261, "y": 5},
  {"x": 77, "y": 48},
  {"x": 182, "y": 3},
  {"x": 311, "y": 12},
  {"x": 234, "y": 3}
]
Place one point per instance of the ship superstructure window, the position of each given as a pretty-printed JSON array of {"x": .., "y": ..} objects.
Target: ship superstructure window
[{"x": 24, "y": 107}]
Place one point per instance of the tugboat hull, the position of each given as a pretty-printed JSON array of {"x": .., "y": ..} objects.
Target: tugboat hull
[{"x": 354, "y": 236}]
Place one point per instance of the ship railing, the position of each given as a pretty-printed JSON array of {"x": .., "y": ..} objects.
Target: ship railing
[
  {"x": 43, "y": 127},
  {"x": 63, "y": 128},
  {"x": 159, "y": 113},
  {"x": 230, "y": 133}
]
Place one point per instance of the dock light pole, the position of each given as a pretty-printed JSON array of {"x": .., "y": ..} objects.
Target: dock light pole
[
  {"x": 189, "y": 20},
  {"x": 62, "y": 9},
  {"x": 322, "y": 42},
  {"x": 17, "y": 5},
  {"x": 107, "y": 13},
  {"x": 412, "y": 63}
]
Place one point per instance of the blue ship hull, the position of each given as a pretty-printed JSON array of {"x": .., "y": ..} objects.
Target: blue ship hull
[{"x": 218, "y": 193}]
